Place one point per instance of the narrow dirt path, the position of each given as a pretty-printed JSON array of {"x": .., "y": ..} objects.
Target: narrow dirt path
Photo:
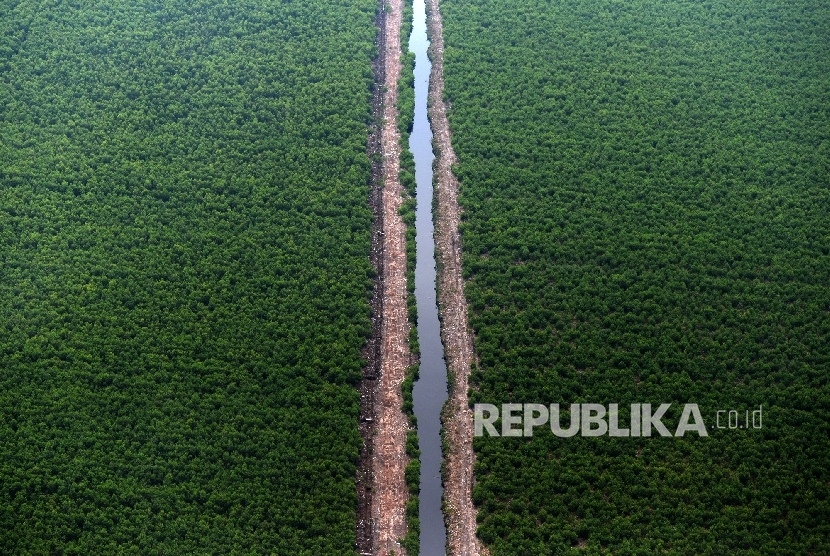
[
  {"x": 389, "y": 459},
  {"x": 455, "y": 331}
]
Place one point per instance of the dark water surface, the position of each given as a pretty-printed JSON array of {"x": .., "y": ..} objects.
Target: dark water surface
[{"x": 430, "y": 390}]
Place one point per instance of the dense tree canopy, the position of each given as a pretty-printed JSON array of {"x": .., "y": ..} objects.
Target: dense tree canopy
[
  {"x": 646, "y": 190},
  {"x": 184, "y": 277}
]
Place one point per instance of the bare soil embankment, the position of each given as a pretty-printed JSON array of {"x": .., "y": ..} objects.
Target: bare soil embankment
[
  {"x": 384, "y": 489},
  {"x": 455, "y": 330}
]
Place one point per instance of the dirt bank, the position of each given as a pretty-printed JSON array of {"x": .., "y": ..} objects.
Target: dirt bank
[{"x": 382, "y": 490}]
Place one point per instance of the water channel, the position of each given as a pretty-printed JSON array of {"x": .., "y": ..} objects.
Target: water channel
[{"x": 430, "y": 391}]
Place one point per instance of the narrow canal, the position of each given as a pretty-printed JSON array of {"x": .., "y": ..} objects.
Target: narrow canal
[{"x": 430, "y": 391}]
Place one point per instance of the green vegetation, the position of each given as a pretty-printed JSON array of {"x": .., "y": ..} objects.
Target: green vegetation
[
  {"x": 646, "y": 189},
  {"x": 184, "y": 234}
]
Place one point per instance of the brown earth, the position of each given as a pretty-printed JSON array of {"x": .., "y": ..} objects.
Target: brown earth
[
  {"x": 389, "y": 348},
  {"x": 457, "y": 416}
]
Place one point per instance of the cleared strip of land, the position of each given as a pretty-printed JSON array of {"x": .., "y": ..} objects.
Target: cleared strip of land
[
  {"x": 455, "y": 332},
  {"x": 390, "y": 492}
]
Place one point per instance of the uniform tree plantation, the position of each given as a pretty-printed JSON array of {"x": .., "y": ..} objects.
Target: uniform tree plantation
[
  {"x": 184, "y": 274},
  {"x": 185, "y": 281},
  {"x": 646, "y": 190}
]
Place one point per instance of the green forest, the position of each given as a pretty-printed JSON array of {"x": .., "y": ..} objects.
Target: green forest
[
  {"x": 184, "y": 274},
  {"x": 646, "y": 191}
]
